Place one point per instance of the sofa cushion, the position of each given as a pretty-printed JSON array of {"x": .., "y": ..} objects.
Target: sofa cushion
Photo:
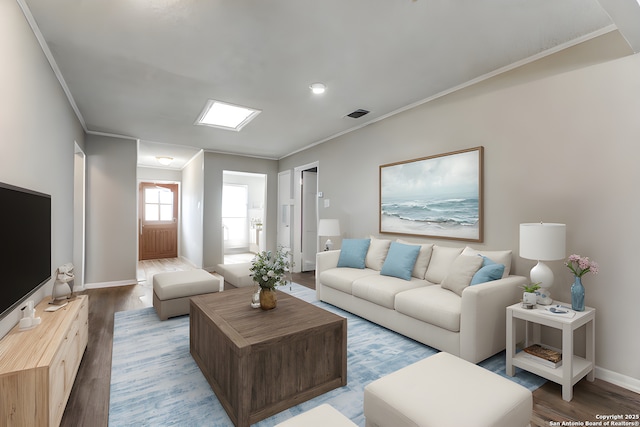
[
  {"x": 441, "y": 259},
  {"x": 461, "y": 273},
  {"x": 382, "y": 290},
  {"x": 353, "y": 253},
  {"x": 342, "y": 278},
  {"x": 499, "y": 257},
  {"x": 433, "y": 305},
  {"x": 376, "y": 253},
  {"x": 420, "y": 267},
  {"x": 488, "y": 272},
  {"x": 400, "y": 260}
]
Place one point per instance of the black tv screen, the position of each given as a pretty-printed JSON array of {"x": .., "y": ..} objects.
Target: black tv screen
[{"x": 25, "y": 244}]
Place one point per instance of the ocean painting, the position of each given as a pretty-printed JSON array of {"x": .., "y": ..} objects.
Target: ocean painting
[{"x": 439, "y": 196}]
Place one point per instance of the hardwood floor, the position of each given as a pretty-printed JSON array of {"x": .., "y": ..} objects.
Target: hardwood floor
[{"x": 89, "y": 401}]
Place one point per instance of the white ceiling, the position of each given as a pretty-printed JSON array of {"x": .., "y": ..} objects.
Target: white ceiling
[{"x": 145, "y": 68}]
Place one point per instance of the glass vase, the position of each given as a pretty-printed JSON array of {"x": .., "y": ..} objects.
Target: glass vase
[{"x": 577, "y": 294}]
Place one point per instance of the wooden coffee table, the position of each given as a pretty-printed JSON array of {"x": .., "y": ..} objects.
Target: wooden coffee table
[{"x": 259, "y": 362}]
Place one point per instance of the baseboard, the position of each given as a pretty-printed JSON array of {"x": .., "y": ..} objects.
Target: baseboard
[
  {"x": 188, "y": 261},
  {"x": 99, "y": 285},
  {"x": 620, "y": 380}
]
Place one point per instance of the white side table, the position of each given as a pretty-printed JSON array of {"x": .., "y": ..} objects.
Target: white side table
[{"x": 573, "y": 367}]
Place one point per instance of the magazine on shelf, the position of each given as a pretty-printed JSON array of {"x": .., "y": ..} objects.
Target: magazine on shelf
[{"x": 544, "y": 355}]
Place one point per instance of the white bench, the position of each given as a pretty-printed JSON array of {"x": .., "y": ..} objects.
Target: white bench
[
  {"x": 446, "y": 391},
  {"x": 324, "y": 415},
  {"x": 239, "y": 275},
  {"x": 172, "y": 290}
]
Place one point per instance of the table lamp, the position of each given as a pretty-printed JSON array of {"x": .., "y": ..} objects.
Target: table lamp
[
  {"x": 542, "y": 242},
  {"x": 328, "y": 228}
]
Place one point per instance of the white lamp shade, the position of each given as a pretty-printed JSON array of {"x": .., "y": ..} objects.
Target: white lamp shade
[
  {"x": 543, "y": 241},
  {"x": 329, "y": 227}
]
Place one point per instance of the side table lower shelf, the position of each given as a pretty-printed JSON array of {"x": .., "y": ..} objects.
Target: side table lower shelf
[{"x": 573, "y": 368}]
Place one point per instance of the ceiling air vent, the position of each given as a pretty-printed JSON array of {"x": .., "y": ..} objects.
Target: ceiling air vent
[{"x": 357, "y": 114}]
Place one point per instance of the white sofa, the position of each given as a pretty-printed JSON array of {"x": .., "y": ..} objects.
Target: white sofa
[{"x": 434, "y": 306}]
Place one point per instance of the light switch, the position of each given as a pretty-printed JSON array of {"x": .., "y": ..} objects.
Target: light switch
[{"x": 327, "y": 203}]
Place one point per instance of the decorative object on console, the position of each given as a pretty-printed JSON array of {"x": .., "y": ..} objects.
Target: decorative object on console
[
  {"x": 29, "y": 319},
  {"x": 579, "y": 266},
  {"x": 268, "y": 270},
  {"x": 529, "y": 296},
  {"x": 328, "y": 228},
  {"x": 542, "y": 242},
  {"x": 544, "y": 355},
  {"x": 444, "y": 199},
  {"x": 63, "y": 284}
]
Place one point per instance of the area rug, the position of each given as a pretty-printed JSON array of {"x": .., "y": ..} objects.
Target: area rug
[{"x": 155, "y": 381}]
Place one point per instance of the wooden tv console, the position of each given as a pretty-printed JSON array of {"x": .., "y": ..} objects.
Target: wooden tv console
[{"x": 38, "y": 366}]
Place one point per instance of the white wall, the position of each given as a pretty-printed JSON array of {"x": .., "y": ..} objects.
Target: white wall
[
  {"x": 159, "y": 174},
  {"x": 214, "y": 165},
  {"x": 191, "y": 240},
  {"x": 558, "y": 149},
  {"x": 112, "y": 242},
  {"x": 37, "y": 133}
]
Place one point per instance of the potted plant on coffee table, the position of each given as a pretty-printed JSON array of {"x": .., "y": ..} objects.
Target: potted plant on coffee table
[{"x": 268, "y": 270}]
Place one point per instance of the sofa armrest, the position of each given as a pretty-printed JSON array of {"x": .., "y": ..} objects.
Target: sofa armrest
[
  {"x": 324, "y": 261},
  {"x": 483, "y": 316}
]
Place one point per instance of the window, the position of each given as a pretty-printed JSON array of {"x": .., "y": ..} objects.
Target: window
[{"x": 158, "y": 204}]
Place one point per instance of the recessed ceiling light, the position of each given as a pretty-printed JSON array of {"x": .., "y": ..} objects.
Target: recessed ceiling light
[
  {"x": 318, "y": 88},
  {"x": 164, "y": 160},
  {"x": 222, "y": 115}
]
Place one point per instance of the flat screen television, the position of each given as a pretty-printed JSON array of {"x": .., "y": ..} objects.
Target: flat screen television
[{"x": 25, "y": 244}]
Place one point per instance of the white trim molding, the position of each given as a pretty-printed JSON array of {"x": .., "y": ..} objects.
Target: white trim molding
[
  {"x": 113, "y": 284},
  {"x": 620, "y": 380}
]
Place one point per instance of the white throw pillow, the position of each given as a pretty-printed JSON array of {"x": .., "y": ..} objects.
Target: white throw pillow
[
  {"x": 499, "y": 257},
  {"x": 441, "y": 259},
  {"x": 461, "y": 273},
  {"x": 422, "y": 262},
  {"x": 377, "y": 253}
]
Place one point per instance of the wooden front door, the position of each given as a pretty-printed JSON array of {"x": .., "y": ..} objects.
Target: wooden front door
[{"x": 158, "y": 222}]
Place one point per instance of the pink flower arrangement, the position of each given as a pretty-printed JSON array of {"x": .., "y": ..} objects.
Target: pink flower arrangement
[{"x": 580, "y": 266}]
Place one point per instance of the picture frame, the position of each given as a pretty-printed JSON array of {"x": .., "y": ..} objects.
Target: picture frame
[{"x": 439, "y": 196}]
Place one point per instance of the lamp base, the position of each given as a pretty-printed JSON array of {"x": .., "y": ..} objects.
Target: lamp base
[
  {"x": 542, "y": 274},
  {"x": 328, "y": 245}
]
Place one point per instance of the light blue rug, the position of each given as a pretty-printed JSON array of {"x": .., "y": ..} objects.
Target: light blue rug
[{"x": 155, "y": 382}]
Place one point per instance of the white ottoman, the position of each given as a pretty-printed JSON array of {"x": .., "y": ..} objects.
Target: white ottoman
[
  {"x": 446, "y": 391},
  {"x": 321, "y": 416},
  {"x": 172, "y": 290},
  {"x": 236, "y": 274}
]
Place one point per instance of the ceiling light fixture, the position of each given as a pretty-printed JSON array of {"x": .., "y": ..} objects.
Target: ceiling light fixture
[
  {"x": 222, "y": 115},
  {"x": 318, "y": 88},
  {"x": 164, "y": 160}
]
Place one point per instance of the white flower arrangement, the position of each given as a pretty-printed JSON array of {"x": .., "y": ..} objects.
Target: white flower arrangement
[{"x": 269, "y": 269}]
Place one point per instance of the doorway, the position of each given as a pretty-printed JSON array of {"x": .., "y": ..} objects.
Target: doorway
[
  {"x": 309, "y": 217},
  {"x": 79, "y": 216},
  {"x": 305, "y": 235},
  {"x": 158, "y": 221},
  {"x": 243, "y": 215}
]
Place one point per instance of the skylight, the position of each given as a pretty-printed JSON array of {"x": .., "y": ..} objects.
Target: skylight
[{"x": 222, "y": 115}]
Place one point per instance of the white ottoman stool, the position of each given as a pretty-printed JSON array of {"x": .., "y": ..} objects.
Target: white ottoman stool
[
  {"x": 321, "y": 416},
  {"x": 236, "y": 274},
  {"x": 172, "y": 290},
  {"x": 446, "y": 391}
]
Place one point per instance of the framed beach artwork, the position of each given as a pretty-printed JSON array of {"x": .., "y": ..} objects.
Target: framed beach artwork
[{"x": 437, "y": 196}]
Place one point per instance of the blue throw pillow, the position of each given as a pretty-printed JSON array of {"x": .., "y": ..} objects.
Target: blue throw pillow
[
  {"x": 488, "y": 272},
  {"x": 400, "y": 260},
  {"x": 353, "y": 253}
]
